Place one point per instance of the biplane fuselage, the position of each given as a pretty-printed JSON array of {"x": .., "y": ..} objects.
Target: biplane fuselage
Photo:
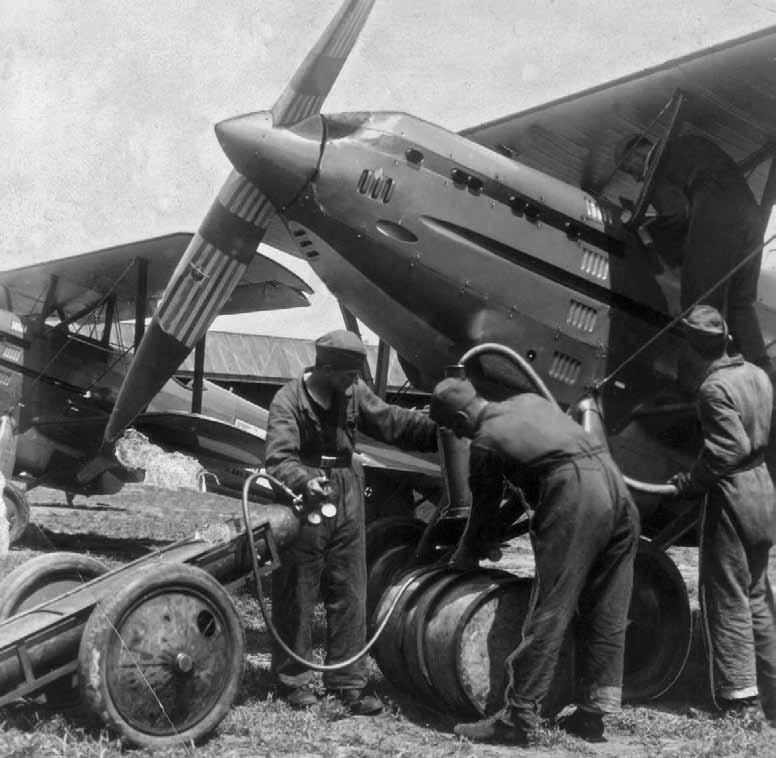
[{"x": 62, "y": 386}]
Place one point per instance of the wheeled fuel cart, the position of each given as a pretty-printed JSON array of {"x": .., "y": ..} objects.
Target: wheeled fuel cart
[{"x": 155, "y": 648}]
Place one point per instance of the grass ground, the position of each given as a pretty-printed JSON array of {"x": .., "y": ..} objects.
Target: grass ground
[{"x": 680, "y": 725}]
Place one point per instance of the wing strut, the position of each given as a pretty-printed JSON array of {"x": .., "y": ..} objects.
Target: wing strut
[
  {"x": 141, "y": 299},
  {"x": 198, "y": 384},
  {"x": 677, "y": 101}
]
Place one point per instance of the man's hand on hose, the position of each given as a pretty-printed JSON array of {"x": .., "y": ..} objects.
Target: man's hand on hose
[
  {"x": 686, "y": 488},
  {"x": 317, "y": 489}
]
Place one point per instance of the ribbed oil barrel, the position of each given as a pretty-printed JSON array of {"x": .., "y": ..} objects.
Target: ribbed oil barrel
[{"x": 451, "y": 634}]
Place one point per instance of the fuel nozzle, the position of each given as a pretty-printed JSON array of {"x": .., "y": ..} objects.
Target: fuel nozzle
[{"x": 327, "y": 508}]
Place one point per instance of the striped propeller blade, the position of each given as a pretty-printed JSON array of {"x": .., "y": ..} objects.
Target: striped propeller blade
[
  {"x": 311, "y": 83},
  {"x": 203, "y": 281}
]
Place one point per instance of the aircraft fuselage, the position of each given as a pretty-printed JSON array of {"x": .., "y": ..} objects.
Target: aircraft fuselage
[{"x": 438, "y": 243}]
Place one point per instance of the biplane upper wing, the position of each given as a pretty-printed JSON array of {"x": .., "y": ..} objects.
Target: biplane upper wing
[
  {"x": 730, "y": 92},
  {"x": 70, "y": 285}
]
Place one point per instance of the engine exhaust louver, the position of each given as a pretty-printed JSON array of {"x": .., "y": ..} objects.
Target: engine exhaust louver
[
  {"x": 376, "y": 185},
  {"x": 565, "y": 369},
  {"x": 305, "y": 243},
  {"x": 595, "y": 264},
  {"x": 581, "y": 316}
]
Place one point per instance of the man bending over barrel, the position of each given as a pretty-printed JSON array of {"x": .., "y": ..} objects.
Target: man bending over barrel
[{"x": 584, "y": 529}]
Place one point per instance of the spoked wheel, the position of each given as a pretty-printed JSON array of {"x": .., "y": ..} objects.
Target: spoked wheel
[
  {"x": 659, "y": 626},
  {"x": 17, "y": 511},
  {"x": 42, "y": 579},
  {"x": 161, "y": 661}
]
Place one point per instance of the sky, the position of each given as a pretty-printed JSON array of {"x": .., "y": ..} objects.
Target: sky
[{"x": 108, "y": 106}]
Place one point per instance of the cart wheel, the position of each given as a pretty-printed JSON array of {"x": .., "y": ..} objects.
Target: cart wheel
[
  {"x": 17, "y": 510},
  {"x": 42, "y": 579},
  {"x": 45, "y": 577},
  {"x": 161, "y": 661}
]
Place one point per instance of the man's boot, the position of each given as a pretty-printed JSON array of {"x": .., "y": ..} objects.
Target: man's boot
[
  {"x": 585, "y": 724},
  {"x": 494, "y": 730}
]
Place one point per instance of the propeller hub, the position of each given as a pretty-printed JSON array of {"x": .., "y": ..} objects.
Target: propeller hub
[{"x": 279, "y": 161}]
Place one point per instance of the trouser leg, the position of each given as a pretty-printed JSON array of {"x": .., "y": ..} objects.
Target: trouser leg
[
  {"x": 764, "y": 628},
  {"x": 603, "y": 619},
  {"x": 567, "y": 536},
  {"x": 295, "y": 589},
  {"x": 724, "y": 595},
  {"x": 345, "y": 590}
]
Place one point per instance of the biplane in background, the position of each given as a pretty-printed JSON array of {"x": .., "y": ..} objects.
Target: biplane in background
[
  {"x": 63, "y": 359},
  {"x": 508, "y": 232}
]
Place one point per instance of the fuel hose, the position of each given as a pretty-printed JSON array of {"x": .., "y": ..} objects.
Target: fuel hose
[
  {"x": 263, "y": 601},
  {"x": 541, "y": 387}
]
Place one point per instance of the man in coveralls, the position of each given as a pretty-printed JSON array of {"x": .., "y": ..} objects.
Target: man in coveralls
[
  {"x": 313, "y": 416},
  {"x": 708, "y": 221},
  {"x": 584, "y": 529},
  {"x": 738, "y": 521}
]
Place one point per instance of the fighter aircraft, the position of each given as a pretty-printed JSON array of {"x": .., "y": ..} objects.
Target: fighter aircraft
[{"x": 508, "y": 232}]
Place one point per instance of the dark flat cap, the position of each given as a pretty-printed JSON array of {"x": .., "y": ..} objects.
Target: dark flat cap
[
  {"x": 704, "y": 322},
  {"x": 340, "y": 349},
  {"x": 449, "y": 397}
]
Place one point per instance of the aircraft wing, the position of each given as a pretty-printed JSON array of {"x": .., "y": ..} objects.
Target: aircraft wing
[
  {"x": 70, "y": 285},
  {"x": 731, "y": 98}
]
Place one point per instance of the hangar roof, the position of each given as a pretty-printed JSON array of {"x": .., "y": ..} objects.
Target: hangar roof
[{"x": 269, "y": 360}]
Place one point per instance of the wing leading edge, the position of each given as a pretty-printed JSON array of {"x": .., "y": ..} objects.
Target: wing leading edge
[{"x": 72, "y": 284}]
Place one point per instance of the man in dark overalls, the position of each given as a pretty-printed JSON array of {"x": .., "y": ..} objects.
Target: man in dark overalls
[
  {"x": 584, "y": 530},
  {"x": 704, "y": 201},
  {"x": 310, "y": 417},
  {"x": 738, "y": 522}
]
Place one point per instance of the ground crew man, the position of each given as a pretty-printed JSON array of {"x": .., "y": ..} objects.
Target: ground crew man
[
  {"x": 738, "y": 522},
  {"x": 708, "y": 222},
  {"x": 584, "y": 529},
  {"x": 310, "y": 417}
]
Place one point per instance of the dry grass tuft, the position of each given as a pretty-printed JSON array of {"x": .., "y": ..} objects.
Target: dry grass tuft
[{"x": 162, "y": 469}]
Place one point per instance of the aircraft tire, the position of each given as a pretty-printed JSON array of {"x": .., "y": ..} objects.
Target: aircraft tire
[
  {"x": 17, "y": 509},
  {"x": 659, "y": 634},
  {"x": 161, "y": 661},
  {"x": 391, "y": 531}
]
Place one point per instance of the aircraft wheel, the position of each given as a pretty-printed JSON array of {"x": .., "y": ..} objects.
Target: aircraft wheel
[
  {"x": 42, "y": 579},
  {"x": 659, "y": 626},
  {"x": 384, "y": 533},
  {"x": 17, "y": 509},
  {"x": 161, "y": 661}
]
